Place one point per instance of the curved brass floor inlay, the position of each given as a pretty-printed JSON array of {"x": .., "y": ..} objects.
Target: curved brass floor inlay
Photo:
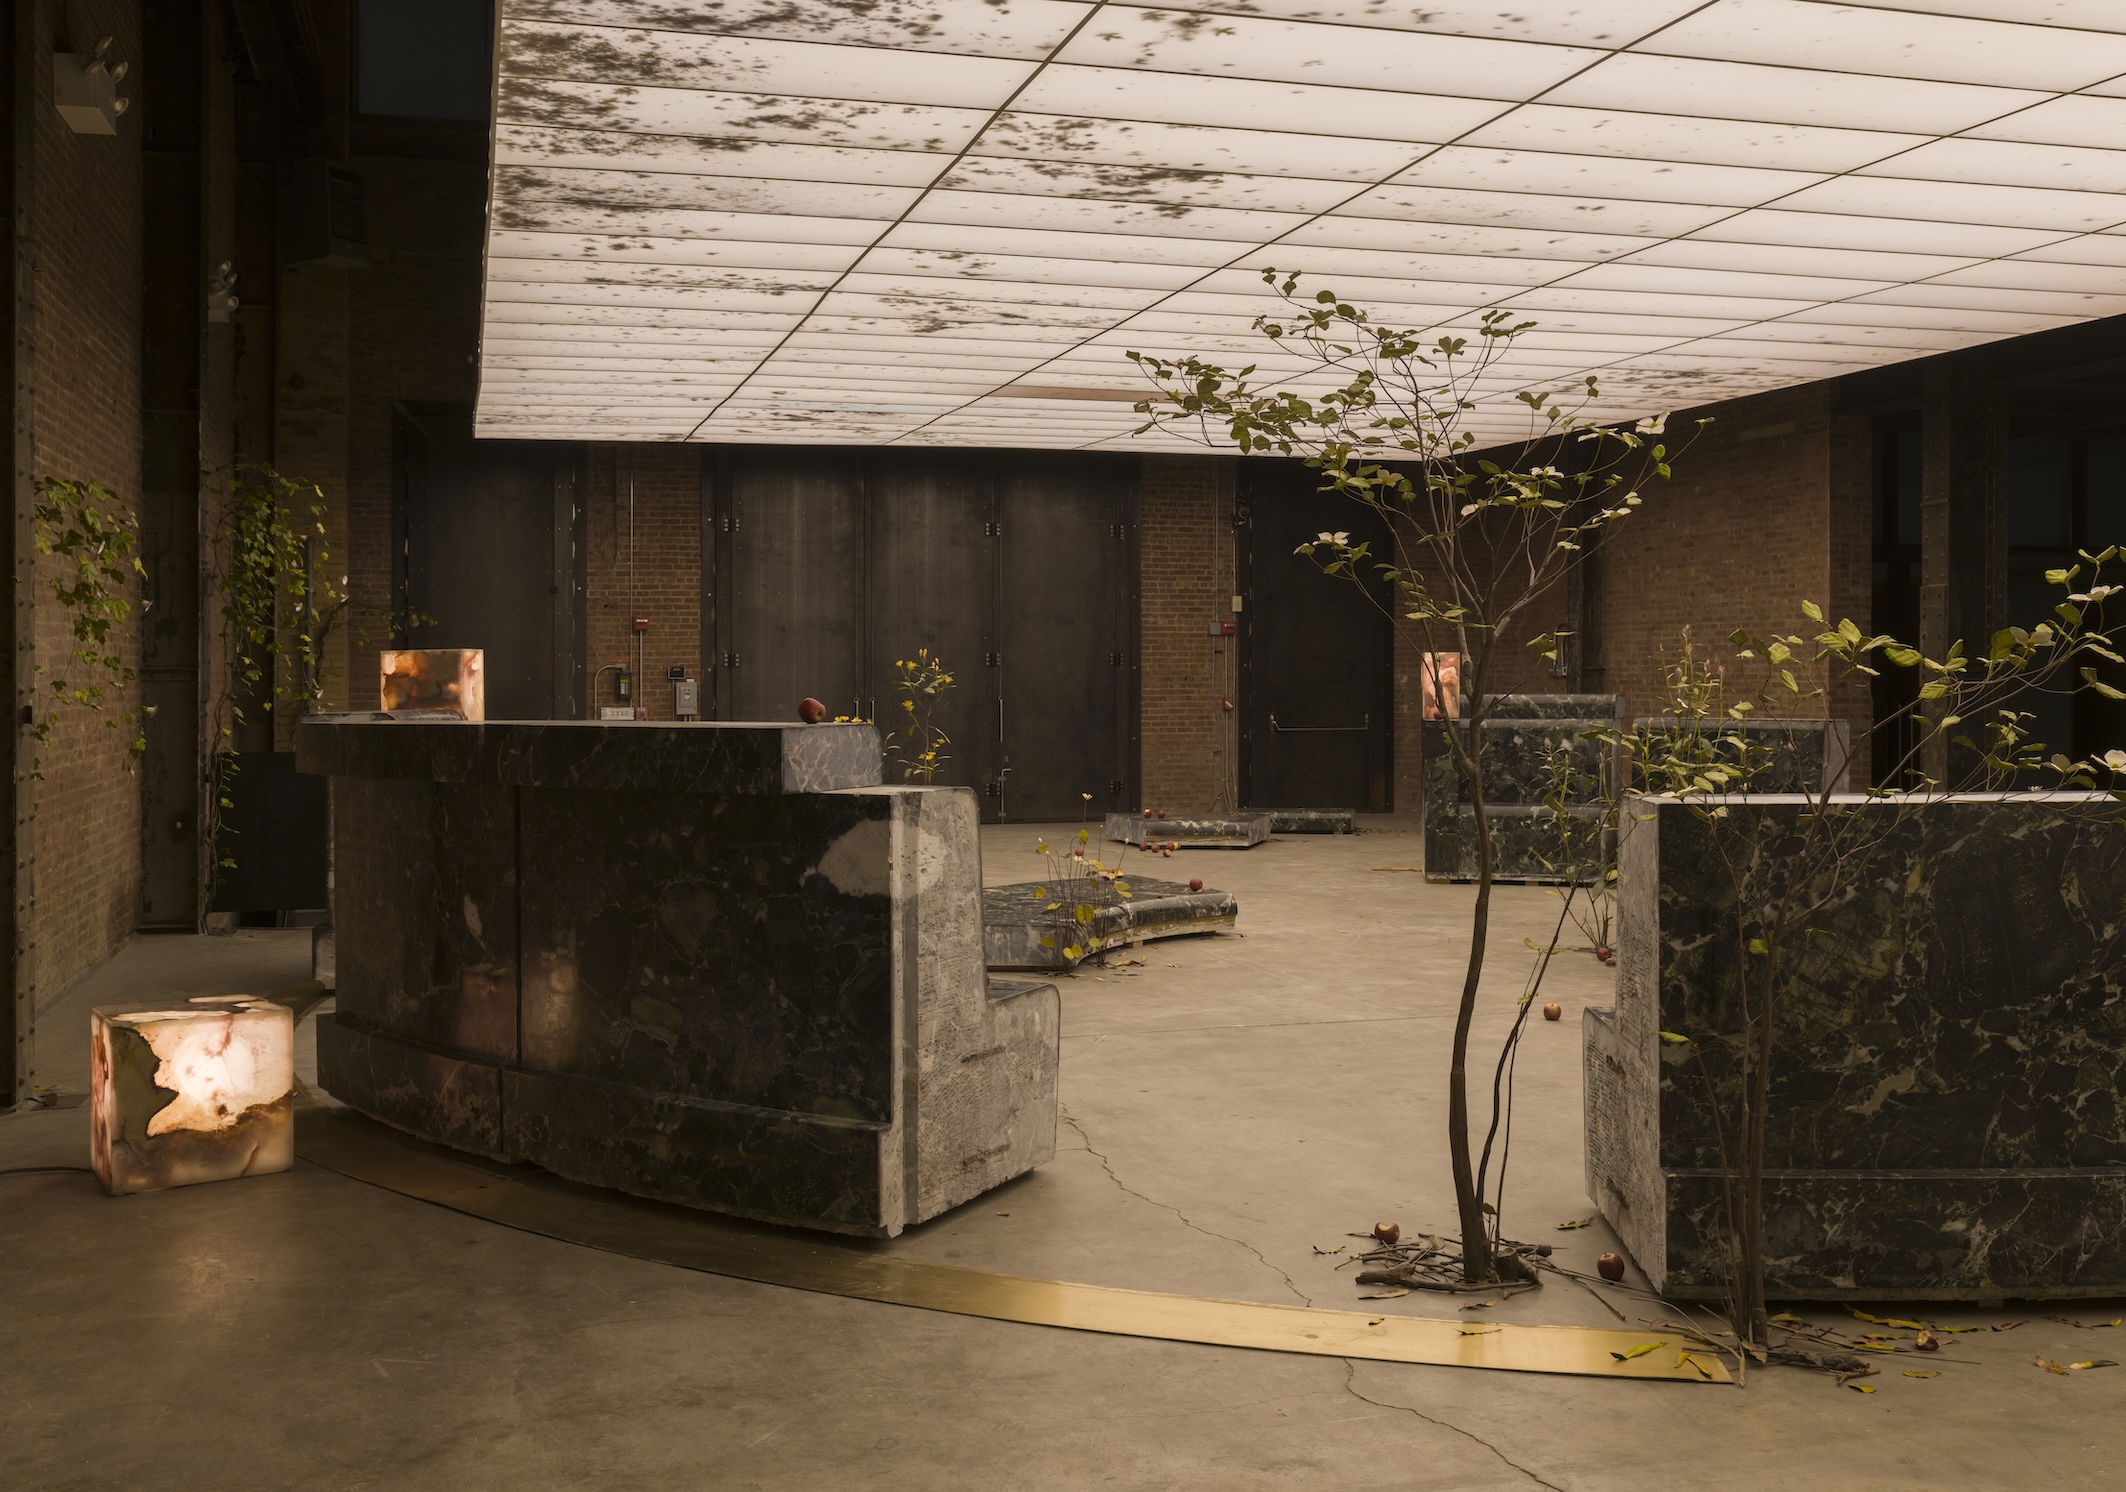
[{"x": 366, "y": 1151}]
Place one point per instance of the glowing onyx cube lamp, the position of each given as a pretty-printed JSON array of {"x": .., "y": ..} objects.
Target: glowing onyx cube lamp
[
  {"x": 190, "y": 1090},
  {"x": 452, "y": 679}
]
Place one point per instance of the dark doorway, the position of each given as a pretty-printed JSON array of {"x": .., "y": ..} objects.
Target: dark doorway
[
  {"x": 828, "y": 566},
  {"x": 493, "y": 560},
  {"x": 1315, "y": 686},
  {"x": 928, "y": 583},
  {"x": 792, "y": 555},
  {"x": 1068, "y": 608}
]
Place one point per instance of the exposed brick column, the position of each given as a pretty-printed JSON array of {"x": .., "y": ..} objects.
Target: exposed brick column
[
  {"x": 666, "y": 483},
  {"x": 1185, "y": 518}
]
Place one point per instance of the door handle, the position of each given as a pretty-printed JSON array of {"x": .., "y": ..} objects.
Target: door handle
[{"x": 1366, "y": 723}]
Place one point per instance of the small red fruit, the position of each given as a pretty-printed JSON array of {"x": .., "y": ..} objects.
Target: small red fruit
[
  {"x": 1195, "y": 883},
  {"x": 1388, "y": 1232},
  {"x": 1611, "y": 1266},
  {"x": 1147, "y": 813},
  {"x": 1604, "y": 955},
  {"x": 1162, "y": 813},
  {"x": 811, "y": 711},
  {"x": 1553, "y": 1011}
]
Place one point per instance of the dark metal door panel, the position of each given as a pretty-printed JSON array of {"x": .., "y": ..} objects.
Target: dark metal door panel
[
  {"x": 1065, "y": 606},
  {"x": 480, "y": 561},
  {"x": 930, "y": 575},
  {"x": 793, "y": 562},
  {"x": 1315, "y": 675}
]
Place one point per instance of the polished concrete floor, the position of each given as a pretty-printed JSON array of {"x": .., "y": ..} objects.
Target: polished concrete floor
[{"x": 1233, "y": 1105}]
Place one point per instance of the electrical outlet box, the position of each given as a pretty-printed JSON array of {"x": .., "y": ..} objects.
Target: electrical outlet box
[
  {"x": 676, "y": 672},
  {"x": 616, "y": 712},
  {"x": 686, "y": 697}
]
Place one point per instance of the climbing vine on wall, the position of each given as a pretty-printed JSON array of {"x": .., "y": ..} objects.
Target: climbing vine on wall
[{"x": 96, "y": 539}]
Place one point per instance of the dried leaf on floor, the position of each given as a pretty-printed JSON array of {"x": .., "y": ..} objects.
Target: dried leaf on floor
[
  {"x": 1337, "y": 1250},
  {"x": 1639, "y": 1351},
  {"x": 2099, "y": 1362},
  {"x": 1861, "y": 1315},
  {"x": 1926, "y": 1341},
  {"x": 1485, "y": 1331},
  {"x": 1582, "y": 1223},
  {"x": 1389, "y": 1294},
  {"x": 1861, "y": 1388},
  {"x": 2050, "y": 1366},
  {"x": 2009, "y": 1325},
  {"x": 1484, "y": 1305},
  {"x": 1922, "y": 1372}
]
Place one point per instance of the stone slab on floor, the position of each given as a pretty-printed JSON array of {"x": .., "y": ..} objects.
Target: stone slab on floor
[
  {"x": 1016, "y": 920},
  {"x": 1311, "y": 820},
  {"x": 1949, "y": 1067},
  {"x": 1190, "y": 832}
]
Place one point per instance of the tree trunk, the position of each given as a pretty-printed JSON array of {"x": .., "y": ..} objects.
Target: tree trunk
[{"x": 1476, "y": 1237}]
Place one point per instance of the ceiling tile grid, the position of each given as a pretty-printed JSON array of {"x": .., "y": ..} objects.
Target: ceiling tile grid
[{"x": 949, "y": 223}]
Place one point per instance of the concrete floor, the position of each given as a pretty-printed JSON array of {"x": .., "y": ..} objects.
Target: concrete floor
[{"x": 1233, "y": 1104}]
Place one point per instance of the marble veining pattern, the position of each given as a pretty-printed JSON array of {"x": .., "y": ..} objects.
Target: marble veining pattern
[{"x": 1949, "y": 1083}]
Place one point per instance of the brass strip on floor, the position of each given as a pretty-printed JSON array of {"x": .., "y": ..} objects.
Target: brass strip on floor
[{"x": 359, "y": 1148}]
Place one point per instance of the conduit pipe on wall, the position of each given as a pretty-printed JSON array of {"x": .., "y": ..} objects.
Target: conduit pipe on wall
[{"x": 18, "y": 842}]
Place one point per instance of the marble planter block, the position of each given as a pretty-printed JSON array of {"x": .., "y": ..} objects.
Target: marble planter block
[
  {"x": 710, "y": 963},
  {"x": 183, "y": 1091},
  {"x": 1531, "y": 839},
  {"x": 1949, "y": 1072},
  {"x": 452, "y": 679},
  {"x": 1782, "y": 756}
]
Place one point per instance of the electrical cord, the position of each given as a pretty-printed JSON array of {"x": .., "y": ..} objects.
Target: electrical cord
[{"x": 45, "y": 1170}]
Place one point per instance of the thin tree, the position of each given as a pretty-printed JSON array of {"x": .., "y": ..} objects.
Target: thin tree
[{"x": 1478, "y": 541}]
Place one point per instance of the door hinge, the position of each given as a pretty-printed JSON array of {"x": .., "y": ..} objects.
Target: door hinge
[
  {"x": 730, "y": 660},
  {"x": 1114, "y": 660},
  {"x": 1114, "y": 787},
  {"x": 1118, "y": 530},
  {"x": 992, "y": 660},
  {"x": 993, "y": 788},
  {"x": 993, "y": 530}
]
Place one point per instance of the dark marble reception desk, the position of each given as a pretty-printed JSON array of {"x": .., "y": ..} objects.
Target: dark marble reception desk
[
  {"x": 1948, "y": 1110},
  {"x": 713, "y": 963}
]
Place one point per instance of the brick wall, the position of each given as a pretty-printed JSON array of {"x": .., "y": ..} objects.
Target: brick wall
[
  {"x": 87, "y": 426},
  {"x": 665, "y": 483},
  {"x": 1769, "y": 507},
  {"x": 1185, "y": 559}
]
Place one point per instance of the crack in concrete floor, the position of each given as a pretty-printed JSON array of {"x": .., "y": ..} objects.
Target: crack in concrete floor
[
  {"x": 1351, "y": 1388},
  {"x": 1186, "y": 1221}
]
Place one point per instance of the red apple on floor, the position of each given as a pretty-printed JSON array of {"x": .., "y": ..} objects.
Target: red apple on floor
[
  {"x": 1553, "y": 1011},
  {"x": 1162, "y": 813},
  {"x": 811, "y": 711},
  {"x": 1195, "y": 884},
  {"x": 1604, "y": 955},
  {"x": 1388, "y": 1232},
  {"x": 1611, "y": 1266}
]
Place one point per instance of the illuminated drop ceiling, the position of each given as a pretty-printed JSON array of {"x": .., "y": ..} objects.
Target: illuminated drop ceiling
[{"x": 945, "y": 224}]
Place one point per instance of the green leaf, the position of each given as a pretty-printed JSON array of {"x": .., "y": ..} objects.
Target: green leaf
[
  {"x": 1812, "y": 611},
  {"x": 1674, "y": 1039},
  {"x": 1759, "y": 947}
]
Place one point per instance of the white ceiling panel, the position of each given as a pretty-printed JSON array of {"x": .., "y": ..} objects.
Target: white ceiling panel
[{"x": 949, "y": 222}]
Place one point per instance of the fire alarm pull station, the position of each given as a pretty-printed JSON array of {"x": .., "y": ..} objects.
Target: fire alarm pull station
[{"x": 642, "y": 624}]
